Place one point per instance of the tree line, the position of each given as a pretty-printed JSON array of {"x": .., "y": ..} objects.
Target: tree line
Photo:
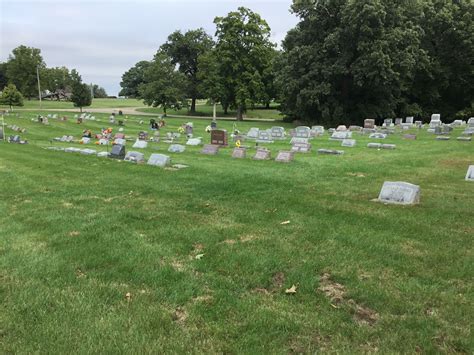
[
  {"x": 343, "y": 62},
  {"x": 19, "y": 78}
]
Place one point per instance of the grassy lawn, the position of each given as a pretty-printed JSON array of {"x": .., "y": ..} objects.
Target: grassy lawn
[
  {"x": 103, "y": 256},
  {"x": 96, "y": 103},
  {"x": 206, "y": 110}
]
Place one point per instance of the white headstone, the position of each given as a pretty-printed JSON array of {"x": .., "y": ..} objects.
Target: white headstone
[
  {"x": 399, "y": 192},
  {"x": 194, "y": 141},
  {"x": 348, "y": 143},
  {"x": 136, "y": 157},
  {"x": 253, "y": 133},
  {"x": 341, "y": 135},
  {"x": 303, "y": 132},
  {"x": 120, "y": 141},
  {"x": 470, "y": 173}
]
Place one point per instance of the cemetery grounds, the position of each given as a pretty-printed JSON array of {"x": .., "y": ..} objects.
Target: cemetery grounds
[{"x": 233, "y": 255}]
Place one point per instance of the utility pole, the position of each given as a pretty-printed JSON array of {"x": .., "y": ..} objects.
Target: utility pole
[
  {"x": 39, "y": 87},
  {"x": 92, "y": 91}
]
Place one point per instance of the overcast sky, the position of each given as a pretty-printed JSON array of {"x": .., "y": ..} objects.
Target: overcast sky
[{"x": 102, "y": 39}]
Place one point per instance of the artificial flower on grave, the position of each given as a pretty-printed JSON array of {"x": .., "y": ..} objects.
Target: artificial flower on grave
[
  {"x": 208, "y": 129},
  {"x": 237, "y": 143},
  {"x": 181, "y": 130}
]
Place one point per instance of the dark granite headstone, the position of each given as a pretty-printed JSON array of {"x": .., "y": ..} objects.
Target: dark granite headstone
[
  {"x": 239, "y": 153},
  {"x": 210, "y": 149},
  {"x": 284, "y": 156},
  {"x": 330, "y": 151},
  {"x": 219, "y": 137},
  {"x": 118, "y": 152}
]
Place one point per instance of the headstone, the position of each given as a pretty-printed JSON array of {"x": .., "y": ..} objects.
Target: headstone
[
  {"x": 210, "y": 149},
  {"x": 399, "y": 192},
  {"x": 355, "y": 128},
  {"x": 118, "y": 152},
  {"x": 317, "y": 130},
  {"x": 470, "y": 173},
  {"x": 277, "y": 133},
  {"x": 253, "y": 133},
  {"x": 193, "y": 141},
  {"x": 135, "y": 157},
  {"x": 418, "y": 124},
  {"x": 143, "y": 136},
  {"x": 239, "y": 153},
  {"x": 72, "y": 150},
  {"x": 176, "y": 148},
  {"x": 301, "y": 147},
  {"x": 296, "y": 140},
  {"x": 139, "y": 144},
  {"x": 330, "y": 151},
  {"x": 264, "y": 137},
  {"x": 409, "y": 136},
  {"x": 2, "y": 136},
  {"x": 369, "y": 123},
  {"x": 284, "y": 156},
  {"x": 119, "y": 141},
  {"x": 374, "y": 145},
  {"x": 348, "y": 143},
  {"x": 388, "y": 122},
  {"x": 406, "y": 126},
  {"x": 88, "y": 151},
  {"x": 435, "y": 120},
  {"x": 160, "y": 160},
  {"x": 388, "y": 146},
  {"x": 398, "y": 121},
  {"x": 219, "y": 137},
  {"x": 262, "y": 154},
  {"x": 378, "y": 136},
  {"x": 443, "y": 138},
  {"x": 464, "y": 139},
  {"x": 341, "y": 135},
  {"x": 409, "y": 120},
  {"x": 303, "y": 132},
  {"x": 341, "y": 128},
  {"x": 103, "y": 154}
]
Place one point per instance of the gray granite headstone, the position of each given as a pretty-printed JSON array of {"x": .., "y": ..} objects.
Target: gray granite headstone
[
  {"x": 253, "y": 133},
  {"x": 262, "y": 154},
  {"x": 388, "y": 146},
  {"x": 295, "y": 140},
  {"x": 341, "y": 135},
  {"x": 443, "y": 138},
  {"x": 464, "y": 139},
  {"x": 135, "y": 157},
  {"x": 398, "y": 121},
  {"x": 301, "y": 147},
  {"x": 399, "y": 192},
  {"x": 284, "y": 156},
  {"x": 348, "y": 143},
  {"x": 239, "y": 153},
  {"x": 210, "y": 149},
  {"x": 374, "y": 145},
  {"x": 303, "y": 132},
  {"x": 194, "y": 141},
  {"x": 409, "y": 119},
  {"x": 278, "y": 133},
  {"x": 317, "y": 130},
  {"x": 470, "y": 173},
  {"x": 160, "y": 160},
  {"x": 176, "y": 148},
  {"x": 378, "y": 136},
  {"x": 264, "y": 137},
  {"x": 330, "y": 151}
]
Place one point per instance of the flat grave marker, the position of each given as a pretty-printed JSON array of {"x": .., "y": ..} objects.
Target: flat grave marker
[
  {"x": 284, "y": 156},
  {"x": 399, "y": 192}
]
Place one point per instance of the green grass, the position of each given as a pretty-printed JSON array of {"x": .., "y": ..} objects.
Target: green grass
[
  {"x": 207, "y": 111},
  {"x": 96, "y": 103},
  {"x": 79, "y": 232}
]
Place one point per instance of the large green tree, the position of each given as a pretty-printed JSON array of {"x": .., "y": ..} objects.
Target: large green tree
[
  {"x": 164, "y": 86},
  {"x": 55, "y": 79},
  {"x": 243, "y": 54},
  {"x": 81, "y": 93},
  {"x": 3, "y": 75},
  {"x": 21, "y": 69},
  {"x": 133, "y": 78},
  {"x": 185, "y": 50},
  {"x": 99, "y": 92},
  {"x": 11, "y": 96}
]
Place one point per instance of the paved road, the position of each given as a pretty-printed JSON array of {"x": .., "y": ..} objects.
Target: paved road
[{"x": 133, "y": 111}]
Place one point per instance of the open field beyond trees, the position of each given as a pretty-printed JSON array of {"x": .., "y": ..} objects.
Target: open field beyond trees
[{"x": 99, "y": 255}]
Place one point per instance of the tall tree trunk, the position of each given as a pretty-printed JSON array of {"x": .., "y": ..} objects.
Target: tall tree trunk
[
  {"x": 226, "y": 108},
  {"x": 240, "y": 110},
  {"x": 81, "y": 108},
  {"x": 164, "y": 111},
  {"x": 267, "y": 105},
  {"x": 193, "y": 105}
]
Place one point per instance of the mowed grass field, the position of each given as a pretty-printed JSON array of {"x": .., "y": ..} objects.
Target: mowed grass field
[
  {"x": 103, "y": 256},
  {"x": 96, "y": 103}
]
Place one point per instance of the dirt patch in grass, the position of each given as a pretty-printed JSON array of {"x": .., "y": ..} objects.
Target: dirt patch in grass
[
  {"x": 278, "y": 280},
  {"x": 336, "y": 293},
  {"x": 455, "y": 163},
  {"x": 247, "y": 238},
  {"x": 179, "y": 315},
  {"x": 333, "y": 290}
]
